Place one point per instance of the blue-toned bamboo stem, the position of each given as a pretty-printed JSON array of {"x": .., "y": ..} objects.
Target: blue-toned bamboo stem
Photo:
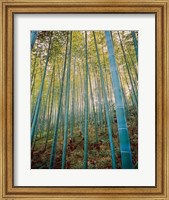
[{"x": 120, "y": 111}]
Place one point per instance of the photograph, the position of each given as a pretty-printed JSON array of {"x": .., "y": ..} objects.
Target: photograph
[{"x": 84, "y": 99}]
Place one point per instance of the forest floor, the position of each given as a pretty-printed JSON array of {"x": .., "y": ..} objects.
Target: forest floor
[{"x": 99, "y": 156}]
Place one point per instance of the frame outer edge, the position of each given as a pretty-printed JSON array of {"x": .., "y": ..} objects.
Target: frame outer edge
[
  {"x": 167, "y": 102},
  {"x": 1, "y": 102},
  {"x": 165, "y": 99}
]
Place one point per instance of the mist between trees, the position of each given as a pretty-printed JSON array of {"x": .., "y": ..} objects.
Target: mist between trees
[{"x": 84, "y": 99}]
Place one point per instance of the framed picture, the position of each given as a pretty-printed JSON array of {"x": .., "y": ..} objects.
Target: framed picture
[{"x": 84, "y": 99}]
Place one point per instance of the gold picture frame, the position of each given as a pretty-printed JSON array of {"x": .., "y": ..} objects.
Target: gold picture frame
[{"x": 161, "y": 10}]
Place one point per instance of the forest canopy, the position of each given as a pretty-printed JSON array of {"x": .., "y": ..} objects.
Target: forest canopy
[{"x": 84, "y": 99}]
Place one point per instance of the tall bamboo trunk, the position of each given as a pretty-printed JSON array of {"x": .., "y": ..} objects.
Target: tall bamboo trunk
[
  {"x": 67, "y": 105},
  {"x": 85, "y": 164},
  {"x": 33, "y": 38},
  {"x": 106, "y": 106},
  {"x": 40, "y": 94},
  {"x": 56, "y": 125},
  {"x": 120, "y": 111}
]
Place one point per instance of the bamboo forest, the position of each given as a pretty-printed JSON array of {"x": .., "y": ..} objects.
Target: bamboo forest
[{"x": 84, "y": 99}]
